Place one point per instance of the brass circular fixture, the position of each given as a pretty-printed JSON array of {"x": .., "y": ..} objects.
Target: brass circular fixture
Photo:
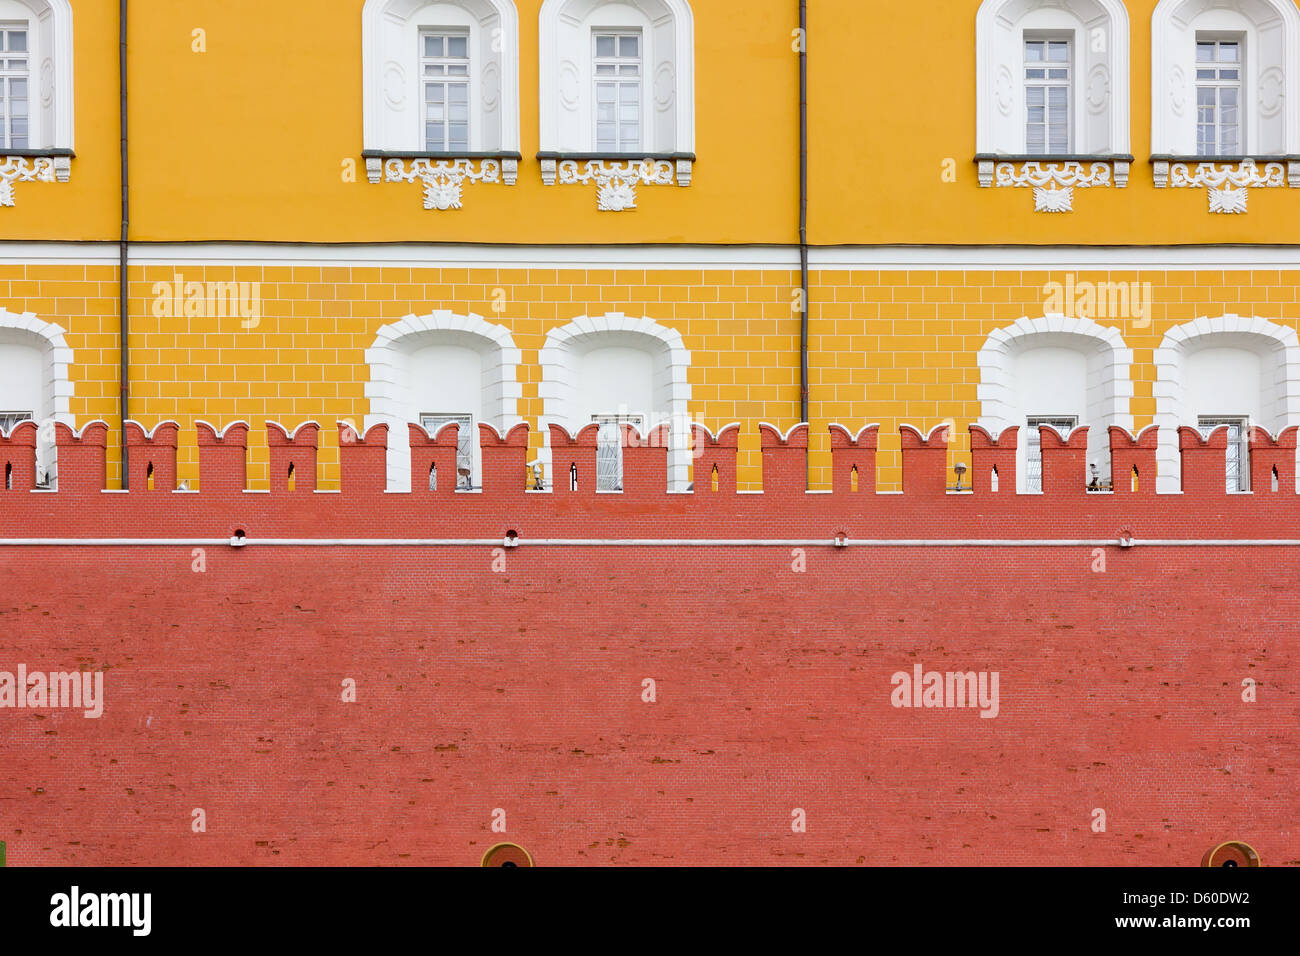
[
  {"x": 507, "y": 854},
  {"x": 1232, "y": 853}
]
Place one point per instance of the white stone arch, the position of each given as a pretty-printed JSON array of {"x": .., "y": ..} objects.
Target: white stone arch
[
  {"x": 565, "y": 55},
  {"x": 562, "y": 358},
  {"x": 1271, "y": 90},
  {"x": 1278, "y": 350},
  {"x": 50, "y": 59},
  {"x": 390, "y": 69},
  {"x": 43, "y": 386},
  {"x": 1109, "y": 384},
  {"x": 1100, "y": 32},
  {"x": 392, "y": 393}
]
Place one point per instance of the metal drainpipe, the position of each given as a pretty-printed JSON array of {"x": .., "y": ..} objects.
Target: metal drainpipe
[
  {"x": 123, "y": 346},
  {"x": 803, "y": 215}
]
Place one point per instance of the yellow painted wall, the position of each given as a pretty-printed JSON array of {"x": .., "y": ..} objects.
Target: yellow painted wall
[
  {"x": 887, "y": 347},
  {"x": 246, "y": 141}
]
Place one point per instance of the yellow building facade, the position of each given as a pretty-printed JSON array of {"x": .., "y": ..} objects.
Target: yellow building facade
[{"x": 599, "y": 216}]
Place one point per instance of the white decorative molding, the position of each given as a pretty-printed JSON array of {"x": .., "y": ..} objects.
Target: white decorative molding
[
  {"x": 560, "y": 357},
  {"x": 565, "y": 81},
  {"x": 444, "y": 179},
  {"x": 391, "y": 96},
  {"x": 389, "y": 389},
  {"x": 22, "y": 169},
  {"x": 26, "y": 329},
  {"x": 1053, "y": 182},
  {"x": 616, "y": 180},
  {"x": 1280, "y": 401},
  {"x": 1227, "y": 184},
  {"x": 1110, "y": 378},
  {"x": 1271, "y": 93},
  {"x": 1100, "y": 31}
]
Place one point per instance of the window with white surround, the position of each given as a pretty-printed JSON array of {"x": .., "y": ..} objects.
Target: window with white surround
[
  {"x": 1048, "y": 96},
  {"x": 637, "y": 55},
  {"x": 440, "y": 77},
  {"x": 444, "y": 76},
  {"x": 36, "y": 79},
  {"x": 34, "y": 384},
  {"x": 1052, "y": 78},
  {"x": 1218, "y": 97},
  {"x": 1225, "y": 79},
  {"x": 1237, "y": 464},
  {"x": 1064, "y": 424}
]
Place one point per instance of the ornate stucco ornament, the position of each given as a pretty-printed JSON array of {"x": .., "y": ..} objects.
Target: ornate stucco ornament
[
  {"x": 616, "y": 180},
  {"x": 444, "y": 179},
  {"x": 24, "y": 169},
  {"x": 1227, "y": 184},
  {"x": 1053, "y": 182}
]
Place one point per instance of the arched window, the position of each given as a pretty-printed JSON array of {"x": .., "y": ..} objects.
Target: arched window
[
  {"x": 34, "y": 385},
  {"x": 1052, "y": 78},
  {"x": 1224, "y": 78},
  {"x": 1233, "y": 372},
  {"x": 436, "y": 369},
  {"x": 1057, "y": 371},
  {"x": 614, "y": 370},
  {"x": 441, "y": 80}
]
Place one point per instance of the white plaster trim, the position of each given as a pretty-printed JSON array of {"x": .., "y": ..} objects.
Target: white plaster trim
[
  {"x": 856, "y": 439},
  {"x": 444, "y": 179},
  {"x": 291, "y": 435},
  {"x": 388, "y": 405},
  {"x": 559, "y": 373},
  {"x": 1112, "y": 390},
  {"x": 221, "y": 432},
  {"x": 784, "y": 435},
  {"x": 374, "y": 65},
  {"x": 150, "y": 432},
  {"x": 779, "y": 258},
  {"x": 57, "y": 387},
  {"x": 1170, "y": 386},
  {"x": 998, "y": 59}
]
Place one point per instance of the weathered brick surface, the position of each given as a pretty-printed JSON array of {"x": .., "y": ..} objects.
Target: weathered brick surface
[{"x": 521, "y": 688}]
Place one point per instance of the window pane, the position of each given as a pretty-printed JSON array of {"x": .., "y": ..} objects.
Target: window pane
[
  {"x": 1033, "y": 52},
  {"x": 1058, "y": 52},
  {"x": 458, "y": 47},
  {"x": 604, "y": 46},
  {"x": 432, "y": 46},
  {"x": 1205, "y": 53},
  {"x": 628, "y": 45},
  {"x": 1227, "y": 52},
  {"x": 18, "y": 41}
]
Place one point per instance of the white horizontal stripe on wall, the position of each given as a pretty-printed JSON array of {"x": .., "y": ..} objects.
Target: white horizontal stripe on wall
[{"x": 403, "y": 255}]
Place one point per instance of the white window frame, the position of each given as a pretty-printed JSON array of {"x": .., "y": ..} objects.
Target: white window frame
[
  {"x": 1047, "y": 83},
  {"x": 392, "y": 71},
  {"x": 1218, "y": 85},
  {"x": 619, "y": 80},
  {"x": 446, "y": 79},
  {"x": 609, "y": 448},
  {"x": 9, "y": 76}
]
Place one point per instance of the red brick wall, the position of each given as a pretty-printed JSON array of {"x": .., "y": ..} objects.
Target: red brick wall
[{"x": 521, "y": 689}]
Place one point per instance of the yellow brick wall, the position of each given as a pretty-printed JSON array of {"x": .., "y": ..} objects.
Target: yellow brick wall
[{"x": 886, "y": 347}]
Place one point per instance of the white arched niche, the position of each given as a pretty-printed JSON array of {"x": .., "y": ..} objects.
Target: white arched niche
[
  {"x": 441, "y": 364},
  {"x": 612, "y": 366},
  {"x": 1227, "y": 367},
  {"x": 1056, "y": 367},
  {"x": 34, "y": 361}
]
